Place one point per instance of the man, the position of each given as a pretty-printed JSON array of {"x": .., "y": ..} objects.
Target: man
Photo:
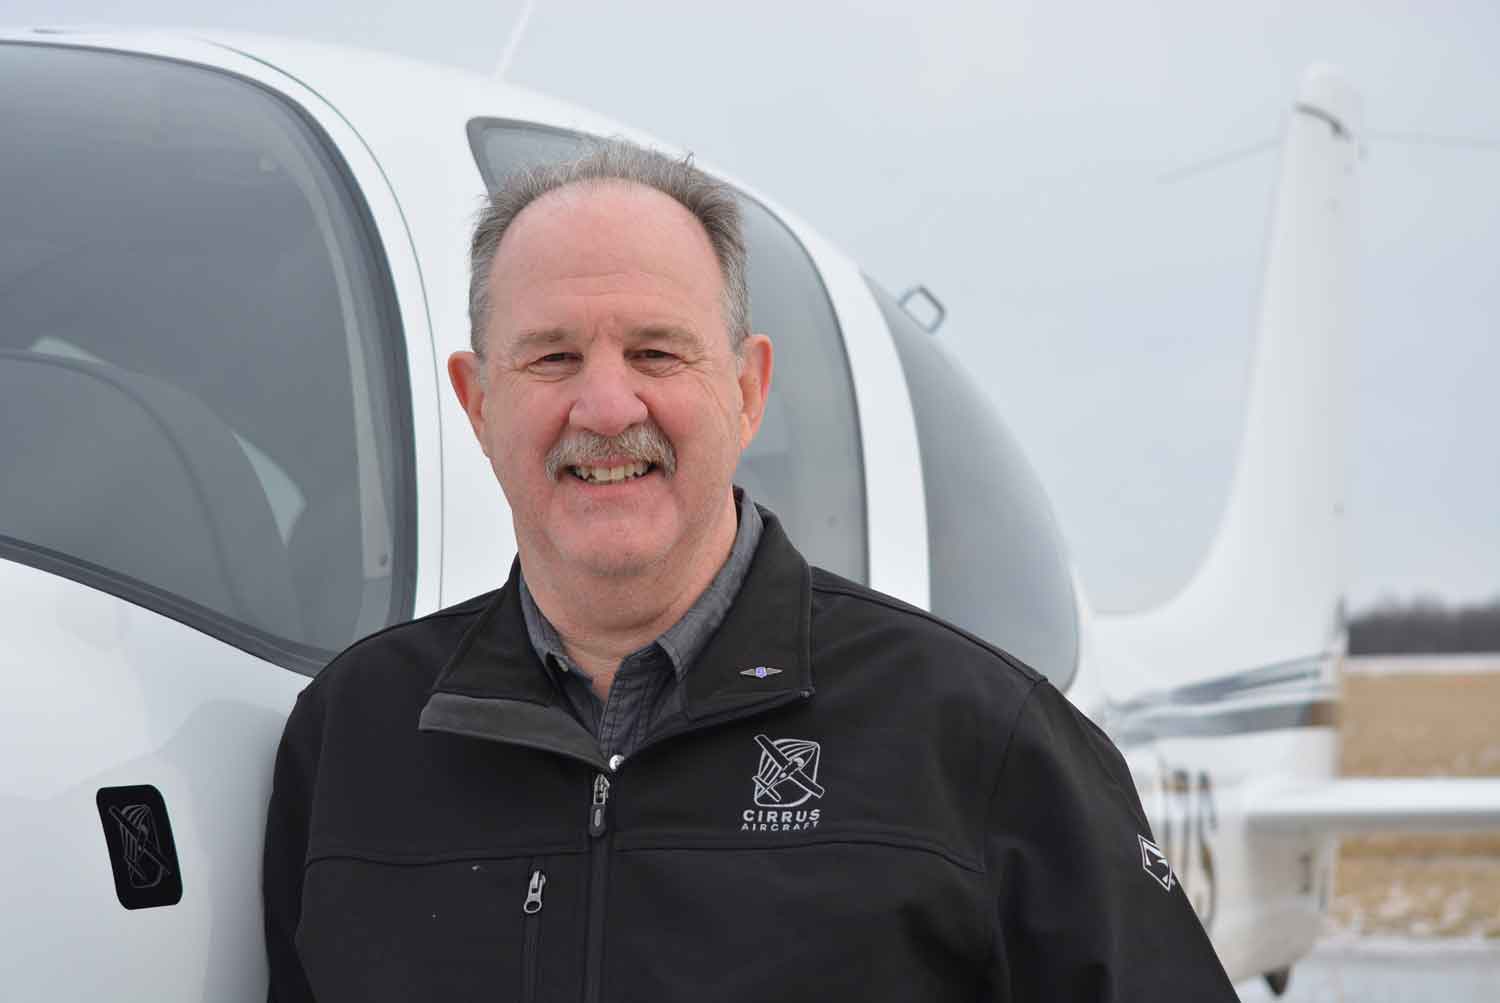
[{"x": 668, "y": 760}]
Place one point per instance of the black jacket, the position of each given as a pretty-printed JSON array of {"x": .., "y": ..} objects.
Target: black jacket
[{"x": 900, "y": 812}]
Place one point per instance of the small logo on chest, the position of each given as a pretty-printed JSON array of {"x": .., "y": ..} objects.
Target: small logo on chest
[{"x": 785, "y": 779}]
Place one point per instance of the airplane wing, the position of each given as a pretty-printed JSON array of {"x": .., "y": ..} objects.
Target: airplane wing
[{"x": 1360, "y": 805}]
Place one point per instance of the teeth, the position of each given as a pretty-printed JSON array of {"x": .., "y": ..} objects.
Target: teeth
[{"x": 608, "y": 475}]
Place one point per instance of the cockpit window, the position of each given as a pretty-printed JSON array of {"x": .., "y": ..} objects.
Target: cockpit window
[
  {"x": 806, "y": 463},
  {"x": 998, "y": 568},
  {"x": 201, "y": 365}
]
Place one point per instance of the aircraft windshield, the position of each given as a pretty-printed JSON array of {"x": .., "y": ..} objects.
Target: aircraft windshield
[{"x": 199, "y": 360}]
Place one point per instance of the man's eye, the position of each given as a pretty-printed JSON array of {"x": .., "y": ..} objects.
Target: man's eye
[
  {"x": 654, "y": 355},
  {"x": 554, "y": 365}
]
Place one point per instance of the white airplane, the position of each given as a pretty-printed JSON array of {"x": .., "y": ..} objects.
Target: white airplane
[{"x": 230, "y": 270}]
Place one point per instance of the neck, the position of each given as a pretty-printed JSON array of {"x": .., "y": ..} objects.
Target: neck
[{"x": 603, "y": 618}]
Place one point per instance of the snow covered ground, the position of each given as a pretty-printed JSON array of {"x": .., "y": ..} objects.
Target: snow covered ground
[{"x": 1390, "y": 970}]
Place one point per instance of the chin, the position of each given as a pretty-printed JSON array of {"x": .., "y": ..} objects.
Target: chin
[
  {"x": 614, "y": 554},
  {"x": 617, "y": 543},
  {"x": 616, "y": 565}
]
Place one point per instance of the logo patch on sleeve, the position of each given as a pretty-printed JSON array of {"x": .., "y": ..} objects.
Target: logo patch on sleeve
[
  {"x": 141, "y": 852},
  {"x": 1156, "y": 864}
]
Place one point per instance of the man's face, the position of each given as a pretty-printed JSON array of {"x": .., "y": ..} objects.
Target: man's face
[{"x": 606, "y": 325}]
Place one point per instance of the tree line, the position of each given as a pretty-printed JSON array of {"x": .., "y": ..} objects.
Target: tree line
[{"x": 1425, "y": 626}]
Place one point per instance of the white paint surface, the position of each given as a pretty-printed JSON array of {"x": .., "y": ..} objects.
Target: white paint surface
[{"x": 1344, "y": 970}]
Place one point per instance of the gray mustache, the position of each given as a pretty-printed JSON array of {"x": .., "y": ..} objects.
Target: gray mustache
[{"x": 643, "y": 443}]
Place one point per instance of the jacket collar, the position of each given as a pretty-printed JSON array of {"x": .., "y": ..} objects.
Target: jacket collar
[{"x": 494, "y": 687}]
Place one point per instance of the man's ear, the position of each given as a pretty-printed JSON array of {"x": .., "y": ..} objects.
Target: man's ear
[
  {"x": 464, "y": 372},
  {"x": 755, "y": 364}
]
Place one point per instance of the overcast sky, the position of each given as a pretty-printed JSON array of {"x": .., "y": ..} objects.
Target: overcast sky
[{"x": 1012, "y": 156}]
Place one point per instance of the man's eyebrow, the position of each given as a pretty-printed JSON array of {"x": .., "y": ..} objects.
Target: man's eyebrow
[
  {"x": 663, "y": 332},
  {"x": 529, "y": 340}
]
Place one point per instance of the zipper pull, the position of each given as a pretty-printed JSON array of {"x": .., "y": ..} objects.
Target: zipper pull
[
  {"x": 534, "y": 893},
  {"x": 600, "y": 802}
]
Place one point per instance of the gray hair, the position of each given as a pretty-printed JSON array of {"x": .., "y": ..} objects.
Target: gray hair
[{"x": 711, "y": 202}]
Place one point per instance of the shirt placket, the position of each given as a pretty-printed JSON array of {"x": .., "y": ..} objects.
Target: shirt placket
[{"x": 621, "y": 708}]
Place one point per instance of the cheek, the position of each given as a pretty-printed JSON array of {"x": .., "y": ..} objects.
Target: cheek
[
  {"x": 519, "y": 435},
  {"x": 714, "y": 434},
  {"x": 697, "y": 423}
]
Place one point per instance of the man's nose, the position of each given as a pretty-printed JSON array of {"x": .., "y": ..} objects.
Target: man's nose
[{"x": 607, "y": 403}]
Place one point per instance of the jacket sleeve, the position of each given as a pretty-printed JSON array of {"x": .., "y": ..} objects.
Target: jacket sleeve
[
  {"x": 1079, "y": 916},
  {"x": 286, "y": 850}
]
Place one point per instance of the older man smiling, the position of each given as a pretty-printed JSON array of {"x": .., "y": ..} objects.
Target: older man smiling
[
  {"x": 668, "y": 760},
  {"x": 613, "y": 385}
]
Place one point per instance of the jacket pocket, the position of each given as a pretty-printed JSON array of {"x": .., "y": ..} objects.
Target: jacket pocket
[
  {"x": 531, "y": 930},
  {"x": 402, "y": 930}
]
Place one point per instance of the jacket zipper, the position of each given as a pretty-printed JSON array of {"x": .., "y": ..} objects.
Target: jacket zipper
[
  {"x": 599, "y": 847},
  {"x": 531, "y": 925},
  {"x": 601, "y": 841}
]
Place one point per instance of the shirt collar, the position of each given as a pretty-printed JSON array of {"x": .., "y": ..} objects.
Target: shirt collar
[
  {"x": 684, "y": 640},
  {"x": 768, "y": 628}
]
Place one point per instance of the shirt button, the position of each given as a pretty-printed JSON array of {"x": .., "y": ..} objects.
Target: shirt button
[{"x": 615, "y": 761}]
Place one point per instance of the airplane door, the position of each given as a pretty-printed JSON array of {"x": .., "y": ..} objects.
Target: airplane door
[{"x": 211, "y": 322}]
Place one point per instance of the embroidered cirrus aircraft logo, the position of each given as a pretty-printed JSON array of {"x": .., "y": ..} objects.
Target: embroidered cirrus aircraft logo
[
  {"x": 1156, "y": 863},
  {"x": 788, "y": 772}
]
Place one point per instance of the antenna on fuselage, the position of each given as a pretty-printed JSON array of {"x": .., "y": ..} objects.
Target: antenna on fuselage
[{"x": 514, "y": 42}]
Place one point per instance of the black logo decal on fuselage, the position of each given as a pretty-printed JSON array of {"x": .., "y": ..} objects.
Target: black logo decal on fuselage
[{"x": 141, "y": 852}]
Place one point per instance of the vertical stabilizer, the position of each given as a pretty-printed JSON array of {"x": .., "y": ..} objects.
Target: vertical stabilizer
[{"x": 1269, "y": 587}]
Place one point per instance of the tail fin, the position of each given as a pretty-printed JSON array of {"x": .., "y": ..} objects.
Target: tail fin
[{"x": 1270, "y": 586}]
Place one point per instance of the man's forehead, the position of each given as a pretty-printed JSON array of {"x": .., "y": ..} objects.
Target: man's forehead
[
  {"x": 604, "y": 228},
  {"x": 578, "y": 210},
  {"x": 604, "y": 242}
]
